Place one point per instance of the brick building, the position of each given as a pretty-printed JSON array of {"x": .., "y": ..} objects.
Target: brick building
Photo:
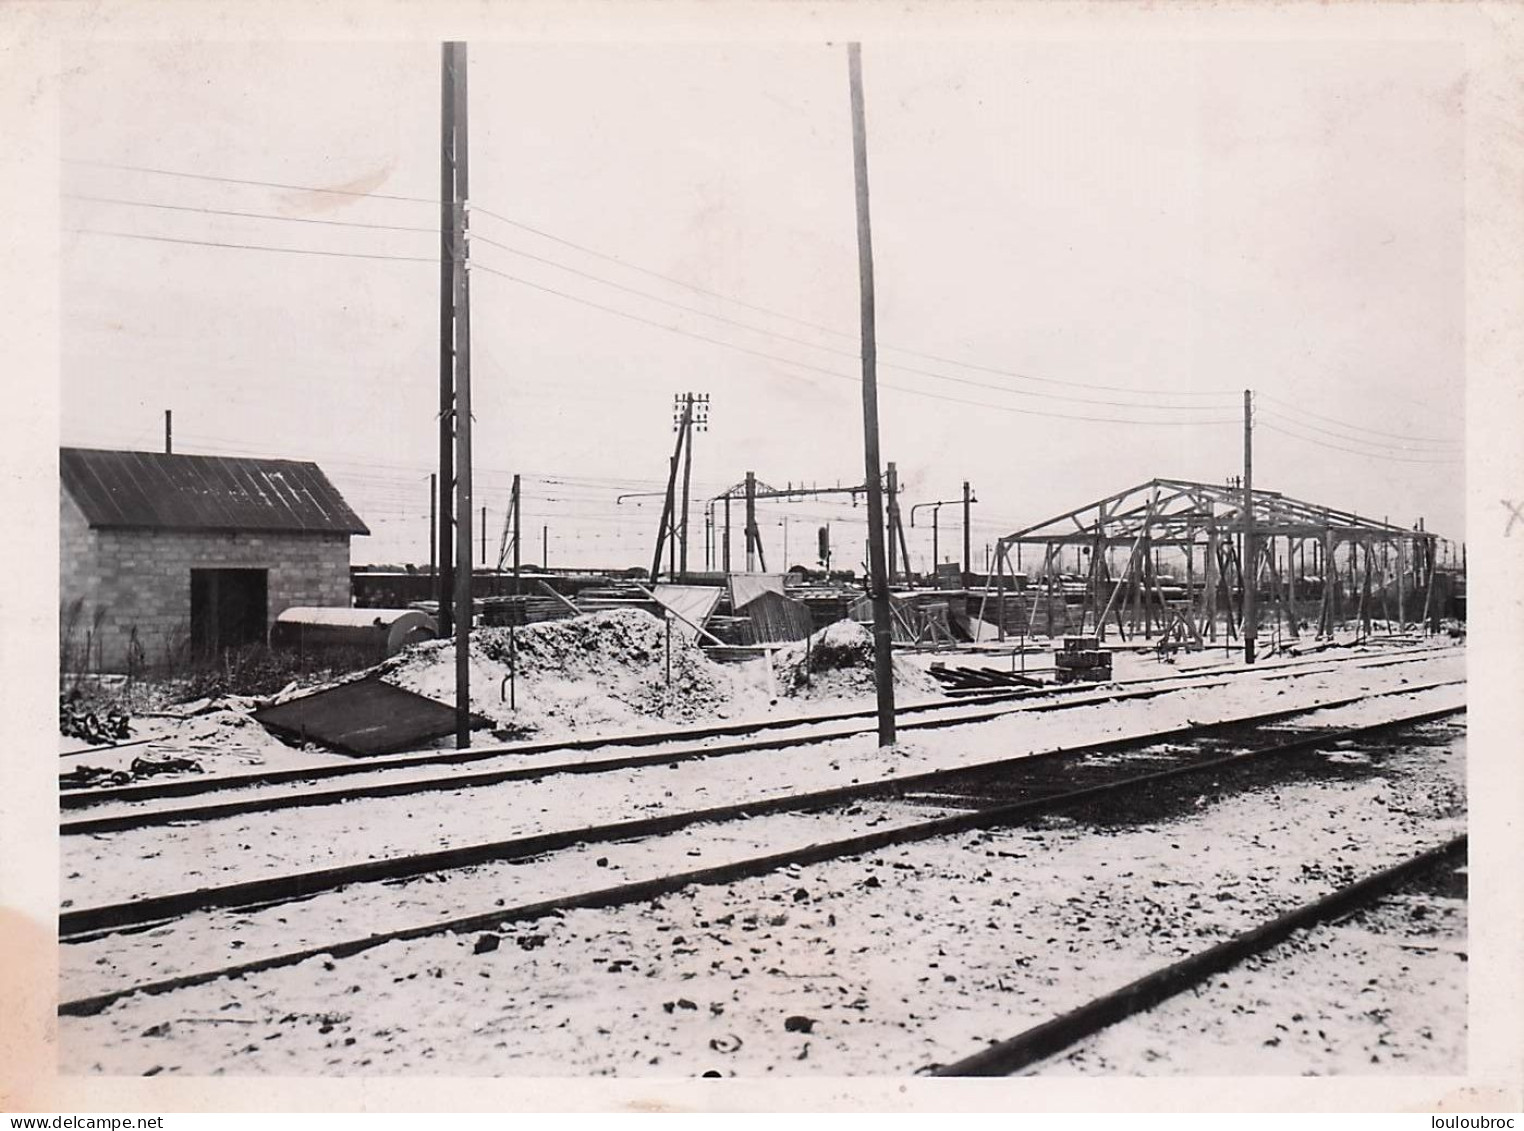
[{"x": 177, "y": 553}]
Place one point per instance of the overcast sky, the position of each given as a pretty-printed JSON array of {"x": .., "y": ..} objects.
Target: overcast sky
[{"x": 1084, "y": 254}]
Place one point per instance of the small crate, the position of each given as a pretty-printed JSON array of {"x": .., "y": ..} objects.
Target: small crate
[{"x": 1078, "y": 662}]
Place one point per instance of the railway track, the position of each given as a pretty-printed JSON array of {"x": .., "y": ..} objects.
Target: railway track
[
  {"x": 1048, "y": 1039},
  {"x": 134, "y": 806},
  {"x": 1045, "y": 773},
  {"x": 1068, "y": 695},
  {"x": 1272, "y": 669},
  {"x": 1103, "y": 784}
]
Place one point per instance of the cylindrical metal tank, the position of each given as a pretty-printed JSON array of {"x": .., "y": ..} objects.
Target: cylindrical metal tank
[{"x": 380, "y": 632}]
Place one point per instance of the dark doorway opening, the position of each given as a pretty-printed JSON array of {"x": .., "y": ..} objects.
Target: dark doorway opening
[{"x": 228, "y": 608}]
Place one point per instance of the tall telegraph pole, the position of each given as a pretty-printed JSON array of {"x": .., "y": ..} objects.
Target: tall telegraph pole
[
  {"x": 455, "y": 386},
  {"x": 696, "y": 414},
  {"x": 681, "y": 421},
  {"x": 883, "y": 661},
  {"x": 444, "y": 588},
  {"x": 1251, "y": 562},
  {"x": 967, "y": 557},
  {"x": 682, "y": 566},
  {"x": 517, "y": 527}
]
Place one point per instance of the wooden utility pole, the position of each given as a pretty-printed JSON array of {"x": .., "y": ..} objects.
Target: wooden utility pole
[
  {"x": 517, "y": 526},
  {"x": 669, "y": 503},
  {"x": 433, "y": 525},
  {"x": 463, "y": 588},
  {"x": 893, "y": 508},
  {"x": 753, "y": 542},
  {"x": 725, "y": 557},
  {"x": 1000, "y": 564},
  {"x": 169, "y": 432},
  {"x": 883, "y": 643},
  {"x": 444, "y": 588},
  {"x": 687, "y": 475},
  {"x": 666, "y": 516},
  {"x": 968, "y": 561},
  {"x": 1402, "y": 586},
  {"x": 1250, "y": 572}
]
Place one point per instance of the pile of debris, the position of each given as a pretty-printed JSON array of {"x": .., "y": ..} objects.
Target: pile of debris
[
  {"x": 837, "y": 663},
  {"x": 77, "y": 720},
  {"x": 85, "y": 776},
  {"x": 601, "y": 670}
]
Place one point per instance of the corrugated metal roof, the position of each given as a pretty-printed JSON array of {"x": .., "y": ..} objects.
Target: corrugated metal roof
[{"x": 158, "y": 491}]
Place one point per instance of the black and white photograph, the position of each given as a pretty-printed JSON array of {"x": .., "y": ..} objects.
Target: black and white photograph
[{"x": 858, "y": 547}]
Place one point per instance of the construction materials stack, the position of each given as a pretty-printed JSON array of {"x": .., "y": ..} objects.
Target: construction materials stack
[{"x": 1082, "y": 658}]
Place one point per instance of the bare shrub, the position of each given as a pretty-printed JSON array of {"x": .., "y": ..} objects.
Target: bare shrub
[
  {"x": 68, "y": 644},
  {"x": 256, "y": 670}
]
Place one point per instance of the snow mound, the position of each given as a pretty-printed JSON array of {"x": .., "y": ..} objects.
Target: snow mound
[
  {"x": 837, "y": 663},
  {"x": 599, "y": 671}
]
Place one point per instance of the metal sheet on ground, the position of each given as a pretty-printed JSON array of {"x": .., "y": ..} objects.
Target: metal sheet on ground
[{"x": 365, "y": 717}]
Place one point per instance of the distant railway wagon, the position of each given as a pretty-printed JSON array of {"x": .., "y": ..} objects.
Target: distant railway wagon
[{"x": 372, "y": 633}]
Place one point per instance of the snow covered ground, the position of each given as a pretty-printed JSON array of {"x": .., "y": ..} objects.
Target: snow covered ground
[
  {"x": 105, "y": 868},
  {"x": 605, "y": 673},
  {"x": 887, "y": 964},
  {"x": 890, "y": 963},
  {"x": 1383, "y": 991}
]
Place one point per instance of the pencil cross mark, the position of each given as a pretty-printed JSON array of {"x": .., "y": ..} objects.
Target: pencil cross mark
[{"x": 1514, "y": 515}]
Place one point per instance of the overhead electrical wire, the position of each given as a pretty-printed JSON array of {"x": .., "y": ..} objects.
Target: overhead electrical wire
[
  {"x": 477, "y": 208},
  {"x": 835, "y": 374},
  {"x": 1286, "y": 418},
  {"x": 1357, "y": 452},
  {"x": 688, "y": 333},
  {"x": 245, "y": 181},
  {"x": 477, "y": 237},
  {"x": 253, "y": 247},
  {"x": 666, "y": 278},
  {"x": 1356, "y": 427},
  {"x": 544, "y": 234},
  {"x": 699, "y": 312},
  {"x": 853, "y": 354},
  {"x": 419, "y": 473},
  {"x": 248, "y": 215}
]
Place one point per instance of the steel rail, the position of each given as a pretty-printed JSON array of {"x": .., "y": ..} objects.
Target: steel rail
[
  {"x": 1051, "y": 1037},
  {"x": 81, "y": 924},
  {"x": 815, "y": 853},
  {"x": 1214, "y": 675},
  {"x": 85, "y": 798},
  {"x": 190, "y": 787},
  {"x": 150, "y": 818}
]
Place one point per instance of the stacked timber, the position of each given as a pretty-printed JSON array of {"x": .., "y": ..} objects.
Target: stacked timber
[
  {"x": 502, "y": 612},
  {"x": 776, "y": 619},
  {"x": 825, "y": 608},
  {"x": 731, "y": 629},
  {"x": 1082, "y": 657},
  {"x": 592, "y": 600}
]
